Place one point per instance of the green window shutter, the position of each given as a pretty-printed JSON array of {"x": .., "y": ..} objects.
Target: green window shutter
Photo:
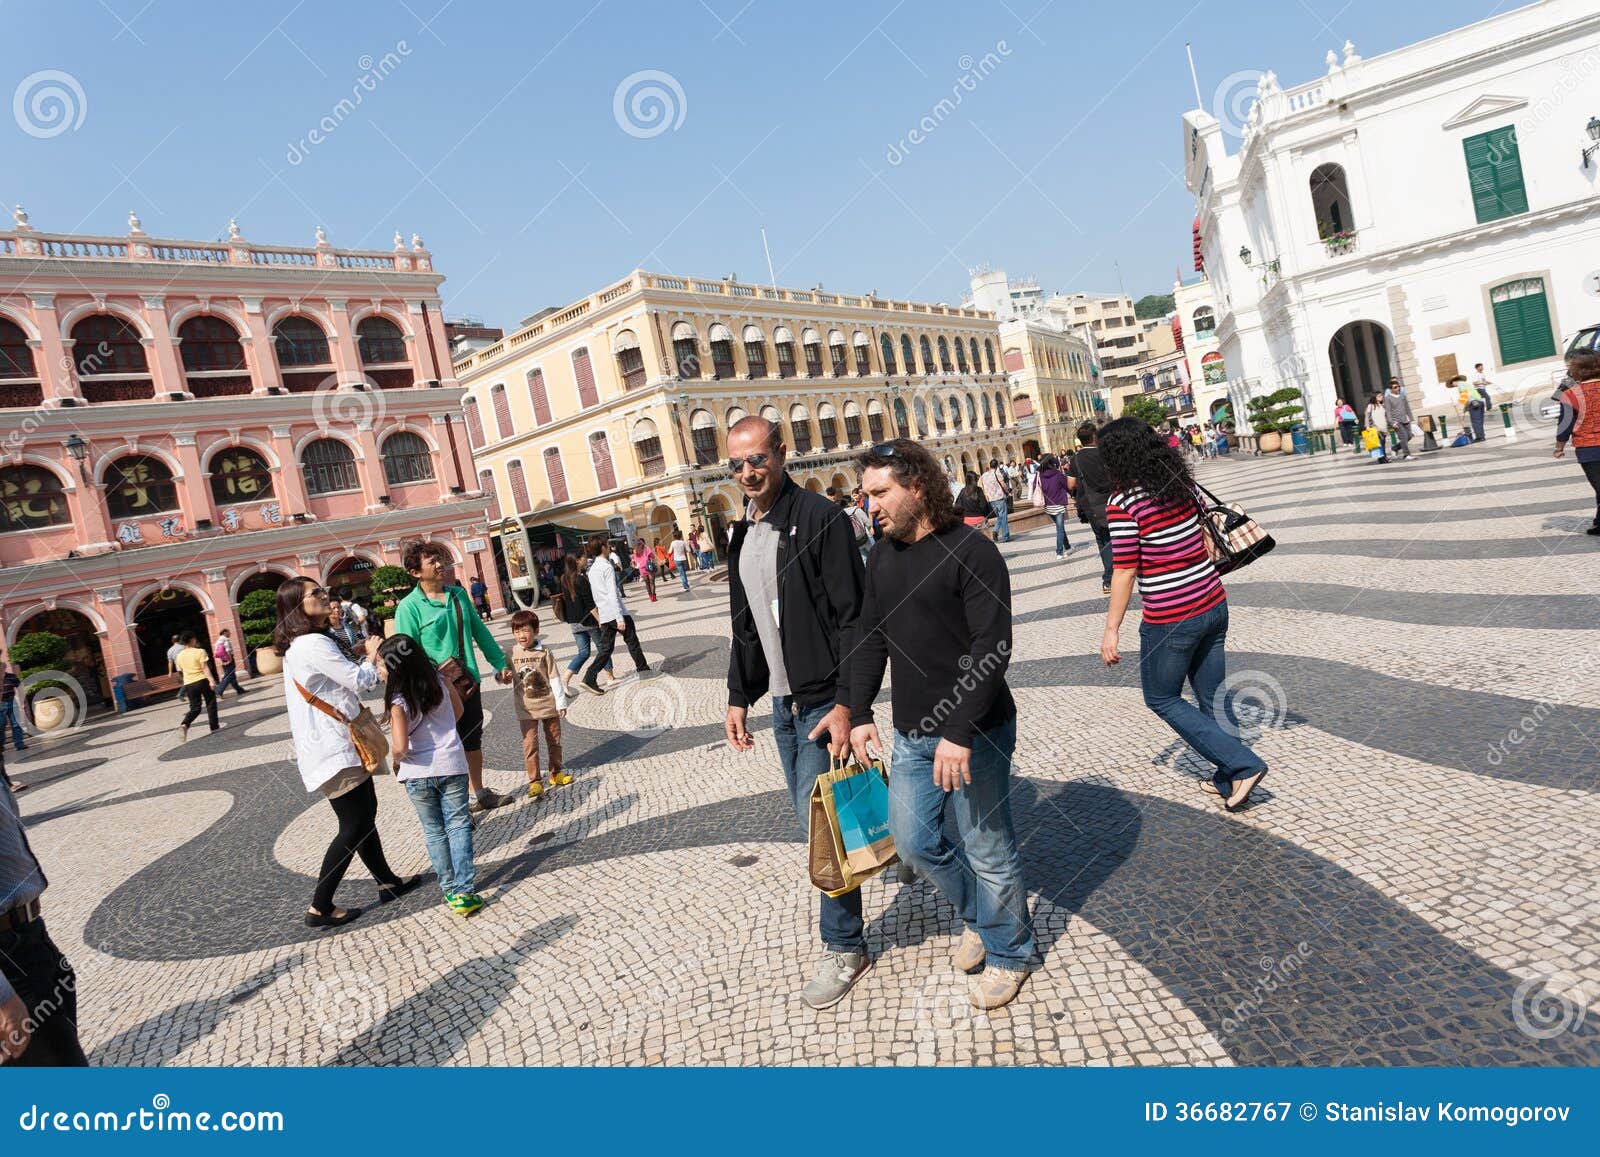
[
  {"x": 1480, "y": 178},
  {"x": 1494, "y": 174},
  {"x": 1537, "y": 338},
  {"x": 1508, "y": 327}
]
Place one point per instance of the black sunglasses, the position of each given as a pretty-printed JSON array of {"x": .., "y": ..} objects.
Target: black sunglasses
[
  {"x": 756, "y": 461},
  {"x": 882, "y": 450}
]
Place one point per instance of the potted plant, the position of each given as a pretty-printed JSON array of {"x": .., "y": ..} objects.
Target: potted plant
[
  {"x": 390, "y": 584},
  {"x": 34, "y": 654},
  {"x": 1274, "y": 414},
  {"x": 258, "y": 616}
]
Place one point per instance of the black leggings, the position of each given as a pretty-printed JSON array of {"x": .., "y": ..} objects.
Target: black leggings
[
  {"x": 357, "y": 810},
  {"x": 1591, "y": 471}
]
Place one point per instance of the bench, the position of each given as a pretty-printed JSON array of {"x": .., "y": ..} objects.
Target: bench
[{"x": 158, "y": 687}]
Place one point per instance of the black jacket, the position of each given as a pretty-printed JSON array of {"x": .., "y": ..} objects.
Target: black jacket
[
  {"x": 579, "y": 610},
  {"x": 820, "y": 586}
]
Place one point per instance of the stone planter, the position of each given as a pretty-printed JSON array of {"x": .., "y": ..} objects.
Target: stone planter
[
  {"x": 51, "y": 713},
  {"x": 1270, "y": 443},
  {"x": 268, "y": 661},
  {"x": 1288, "y": 443}
]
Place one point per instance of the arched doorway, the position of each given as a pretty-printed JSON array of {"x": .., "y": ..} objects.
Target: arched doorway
[
  {"x": 267, "y": 580},
  {"x": 353, "y": 572},
  {"x": 814, "y": 484},
  {"x": 84, "y": 660},
  {"x": 159, "y": 616},
  {"x": 1361, "y": 359},
  {"x": 717, "y": 513}
]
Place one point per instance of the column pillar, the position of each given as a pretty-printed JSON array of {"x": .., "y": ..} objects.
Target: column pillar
[
  {"x": 116, "y": 643},
  {"x": 371, "y": 465},
  {"x": 167, "y": 370},
  {"x": 196, "y": 490},
  {"x": 59, "y": 379},
  {"x": 224, "y": 613},
  {"x": 346, "y": 357},
  {"x": 89, "y": 513},
  {"x": 289, "y": 485},
  {"x": 259, "y": 355}
]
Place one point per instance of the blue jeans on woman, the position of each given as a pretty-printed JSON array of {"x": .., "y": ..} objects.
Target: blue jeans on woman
[
  {"x": 587, "y": 638},
  {"x": 443, "y": 805},
  {"x": 10, "y": 716},
  {"x": 1194, "y": 649},
  {"x": 682, "y": 567},
  {"x": 803, "y": 760},
  {"x": 1060, "y": 519},
  {"x": 981, "y": 875}
]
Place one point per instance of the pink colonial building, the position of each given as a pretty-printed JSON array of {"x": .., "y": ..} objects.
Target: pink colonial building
[{"x": 182, "y": 423}]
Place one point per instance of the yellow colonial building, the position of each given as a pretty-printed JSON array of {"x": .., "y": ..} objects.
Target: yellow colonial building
[
  {"x": 612, "y": 414},
  {"x": 1052, "y": 376}
]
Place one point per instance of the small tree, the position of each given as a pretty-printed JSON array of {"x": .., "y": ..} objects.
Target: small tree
[
  {"x": 1146, "y": 410},
  {"x": 390, "y": 584},
  {"x": 1153, "y": 305},
  {"x": 1277, "y": 412},
  {"x": 39, "y": 651},
  {"x": 258, "y": 616}
]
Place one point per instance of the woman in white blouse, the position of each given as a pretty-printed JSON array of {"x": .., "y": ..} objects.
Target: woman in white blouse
[{"x": 326, "y": 754}]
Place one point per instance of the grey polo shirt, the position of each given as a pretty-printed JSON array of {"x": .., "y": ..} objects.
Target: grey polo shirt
[{"x": 758, "y": 571}]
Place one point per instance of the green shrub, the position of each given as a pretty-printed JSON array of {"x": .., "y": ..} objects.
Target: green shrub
[
  {"x": 390, "y": 584},
  {"x": 258, "y": 616},
  {"x": 39, "y": 651},
  {"x": 1145, "y": 409},
  {"x": 1277, "y": 412}
]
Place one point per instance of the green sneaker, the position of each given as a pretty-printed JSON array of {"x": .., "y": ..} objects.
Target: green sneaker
[{"x": 464, "y": 903}]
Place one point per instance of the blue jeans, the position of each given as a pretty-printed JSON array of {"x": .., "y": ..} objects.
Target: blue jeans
[
  {"x": 1475, "y": 413},
  {"x": 708, "y": 560},
  {"x": 10, "y": 716},
  {"x": 982, "y": 875},
  {"x": 230, "y": 678},
  {"x": 682, "y": 567},
  {"x": 803, "y": 760},
  {"x": 442, "y": 806},
  {"x": 1102, "y": 540},
  {"x": 1194, "y": 649},
  {"x": 586, "y": 638},
  {"x": 1002, "y": 525},
  {"x": 1062, "y": 545}
]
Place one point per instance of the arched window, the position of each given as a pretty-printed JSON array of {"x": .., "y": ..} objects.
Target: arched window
[
  {"x": 852, "y": 424},
  {"x": 828, "y": 425},
  {"x": 630, "y": 362},
  {"x": 299, "y": 341},
  {"x": 811, "y": 343},
  {"x": 977, "y": 366},
  {"x": 329, "y": 467},
  {"x": 1330, "y": 204},
  {"x": 988, "y": 354},
  {"x": 647, "y": 444},
  {"x": 837, "y": 354},
  {"x": 486, "y": 484},
  {"x": 988, "y": 414},
  {"x": 703, "y": 436},
  {"x": 1205, "y": 321},
  {"x": 961, "y": 356},
  {"x": 138, "y": 486},
  {"x": 926, "y": 347},
  {"x": 31, "y": 498},
  {"x": 736, "y": 414},
  {"x": 406, "y": 458},
  {"x": 955, "y": 411},
  {"x": 518, "y": 480},
  {"x": 239, "y": 474},
  {"x": 686, "y": 350},
  {"x": 474, "y": 424},
  {"x": 901, "y": 424},
  {"x": 921, "y": 410},
  {"x": 16, "y": 358},
  {"x": 1000, "y": 407},
  {"x": 886, "y": 348},
  {"x": 800, "y": 424},
  {"x": 583, "y": 375},
  {"x": 783, "y": 342},
  {"x": 208, "y": 342},
  {"x": 755, "y": 351},
  {"x": 938, "y": 417},
  {"x": 556, "y": 475},
  {"x": 944, "y": 354},
  {"x": 380, "y": 342},
  {"x": 104, "y": 343},
  {"x": 502, "y": 409},
  {"x": 908, "y": 360},
  {"x": 539, "y": 396},
  {"x": 605, "y": 474},
  {"x": 863, "y": 346},
  {"x": 972, "y": 413},
  {"x": 722, "y": 366}
]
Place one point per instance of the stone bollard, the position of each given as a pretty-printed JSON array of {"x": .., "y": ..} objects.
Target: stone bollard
[{"x": 1505, "y": 414}]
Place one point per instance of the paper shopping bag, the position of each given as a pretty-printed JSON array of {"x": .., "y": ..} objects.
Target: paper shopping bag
[{"x": 861, "y": 803}]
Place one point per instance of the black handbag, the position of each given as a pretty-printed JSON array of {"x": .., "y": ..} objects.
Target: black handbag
[{"x": 1233, "y": 539}]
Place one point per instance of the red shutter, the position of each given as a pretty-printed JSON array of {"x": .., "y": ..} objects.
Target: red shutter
[
  {"x": 584, "y": 373},
  {"x": 556, "y": 475},
  {"x": 519, "y": 487},
  {"x": 502, "y": 411},
  {"x": 540, "y": 397},
  {"x": 600, "y": 452},
  {"x": 486, "y": 484},
  {"x": 474, "y": 424},
  {"x": 1023, "y": 408},
  {"x": 1013, "y": 359}
]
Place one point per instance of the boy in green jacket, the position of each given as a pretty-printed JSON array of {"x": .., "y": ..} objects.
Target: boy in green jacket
[{"x": 430, "y": 614}]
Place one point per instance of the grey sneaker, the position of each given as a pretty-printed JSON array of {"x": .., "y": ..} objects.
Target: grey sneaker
[{"x": 836, "y": 973}]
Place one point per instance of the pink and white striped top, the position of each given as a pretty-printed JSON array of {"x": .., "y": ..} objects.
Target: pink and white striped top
[{"x": 1164, "y": 545}]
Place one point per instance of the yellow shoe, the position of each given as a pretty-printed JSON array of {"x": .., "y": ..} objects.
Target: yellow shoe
[
  {"x": 535, "y": 789},
  {"x": 559, "y": 779}
]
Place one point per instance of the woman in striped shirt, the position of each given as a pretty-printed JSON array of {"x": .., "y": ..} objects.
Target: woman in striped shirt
[{"x": 1155, "y": 529}]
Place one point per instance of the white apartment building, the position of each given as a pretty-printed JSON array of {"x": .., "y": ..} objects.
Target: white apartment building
[
  {"x": 1197, "y": 318},
  {"x": 1410, "y": 215}
]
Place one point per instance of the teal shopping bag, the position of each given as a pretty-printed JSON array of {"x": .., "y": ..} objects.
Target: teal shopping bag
[{"x": 861, "y": 810}]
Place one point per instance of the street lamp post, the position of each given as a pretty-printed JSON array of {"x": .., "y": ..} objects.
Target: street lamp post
[{"x": 79, "y": 449}]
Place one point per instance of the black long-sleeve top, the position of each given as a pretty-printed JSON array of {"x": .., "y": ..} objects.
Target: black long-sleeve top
[{"x": 942, "y": 607}]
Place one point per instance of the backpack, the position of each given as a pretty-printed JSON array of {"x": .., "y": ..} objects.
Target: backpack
[{"x": 861, "y": 524}]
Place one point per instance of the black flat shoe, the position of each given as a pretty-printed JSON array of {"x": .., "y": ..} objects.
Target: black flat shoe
[
  {"x": 318, "y": 920},
  {"x": 391, "y": 892}
]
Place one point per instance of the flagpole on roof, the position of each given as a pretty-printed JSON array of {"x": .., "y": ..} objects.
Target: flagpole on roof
[{"x": 1194, "y": 76}]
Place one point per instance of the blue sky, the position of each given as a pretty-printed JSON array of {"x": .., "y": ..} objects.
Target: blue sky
[{"x": 494, "y": 133}]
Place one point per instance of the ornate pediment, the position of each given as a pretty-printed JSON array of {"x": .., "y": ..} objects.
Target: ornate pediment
[{"x": 1486, "y": 106}]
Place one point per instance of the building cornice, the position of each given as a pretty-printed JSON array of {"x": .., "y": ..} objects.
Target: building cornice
[{"x": 108, "y": 419}]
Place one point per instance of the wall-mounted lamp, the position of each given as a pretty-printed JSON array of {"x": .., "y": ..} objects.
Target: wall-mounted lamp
[
  {"x": 1594, "y": 135},
  {"x": 79, "y": 449},
  {"x": 1244, "y": 254}
]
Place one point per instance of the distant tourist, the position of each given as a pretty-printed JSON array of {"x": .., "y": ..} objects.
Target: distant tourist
[
  {"x": 1397, "y": 408},
  {"x": 227, "y": 662},
  {"x": 11, "y": 707},
  {"x": 1056, "y": 493},
  {"x": 1580, "y": 422},
  {"x": 1089, "y": 485},
  {"x": 540, "y": 700},
  {"x": 1344, "y": 416},
  {"x": 191, "y": 664}
]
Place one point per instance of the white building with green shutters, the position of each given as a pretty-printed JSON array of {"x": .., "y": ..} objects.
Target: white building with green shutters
[{"x": 1407, "y": 215}]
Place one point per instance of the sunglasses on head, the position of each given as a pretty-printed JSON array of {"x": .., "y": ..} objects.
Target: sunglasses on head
[
  {"x": 882, "y": 450},
  {"x": 754, "y": 461}
]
